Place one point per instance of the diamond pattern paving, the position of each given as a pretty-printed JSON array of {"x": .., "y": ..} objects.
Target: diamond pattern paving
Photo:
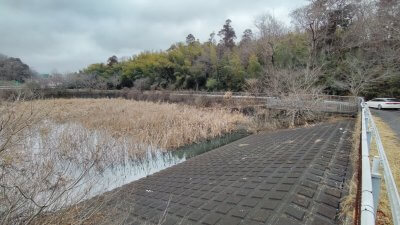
[{"x": 286, "y": 177}]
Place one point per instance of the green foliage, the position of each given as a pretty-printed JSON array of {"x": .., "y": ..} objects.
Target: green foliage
[
  {"x": 231, "y": 72},
  {"x": 226, "y": 65},
  {"x": 292, "y": 51},
  {"x": 147, "y": 65},
  {"x": 254, "y": 70},
  {"x": 212, "y": 84}
]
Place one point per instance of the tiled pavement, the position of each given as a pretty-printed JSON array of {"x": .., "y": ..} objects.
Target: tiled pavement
[{"x": 287, "y": 177}]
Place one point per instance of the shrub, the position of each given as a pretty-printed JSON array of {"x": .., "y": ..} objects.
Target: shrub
[
  {"x": 142, "y": 84},
  {"x": 212, "y": 84},
  {"x": 228, "y": 95}
]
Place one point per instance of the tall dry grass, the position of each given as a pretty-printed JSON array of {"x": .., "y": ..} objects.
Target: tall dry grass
[
  {"x": 39, "y": 174},
  {"x": 391, "y": 145},
  {"x": 53, "y": 152},
  {"x": 166, "y": 126}
]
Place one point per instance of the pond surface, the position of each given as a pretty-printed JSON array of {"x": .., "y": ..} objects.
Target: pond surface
[
  {"x": 88, "y": 163},
  {"x": 156, "y": 161}
]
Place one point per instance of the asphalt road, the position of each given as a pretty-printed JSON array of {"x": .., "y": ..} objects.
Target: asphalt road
[{"x": 391, "y": 117}]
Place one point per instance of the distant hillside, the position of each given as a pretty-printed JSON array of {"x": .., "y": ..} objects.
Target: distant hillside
[{"x": 13, "y": 69}]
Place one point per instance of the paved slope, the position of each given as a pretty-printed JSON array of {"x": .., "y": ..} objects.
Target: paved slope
[{"x": 286, "y": 177}]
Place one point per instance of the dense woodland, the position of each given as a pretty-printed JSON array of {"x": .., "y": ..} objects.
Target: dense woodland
[
  {"x": 352, "y": 46},
  {"x": 13, "y": 70}
]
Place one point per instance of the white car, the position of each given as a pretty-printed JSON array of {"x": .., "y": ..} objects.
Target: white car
[{"x": 384, "y": 103}]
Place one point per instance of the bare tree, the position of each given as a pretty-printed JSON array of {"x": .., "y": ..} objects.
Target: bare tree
[
  {"x": 40, "y": 174},
  {"x": 142, "y": 84},
  {"x": 387, "y": 33},
  {"x": 246, "y": 47},
  {"x": 312, "y": 19},
  {"x": 360, "y": 75},
  {"x": 253, "y": 86},
  {"x": 80, "y": 80},
  {"x": 270, "y": 30},
  {"x": 56, "y": 80},
  {"x": 296, "y": 91}
]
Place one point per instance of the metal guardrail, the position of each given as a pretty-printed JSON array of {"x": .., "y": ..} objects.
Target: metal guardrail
[
  {"x": 371, "y": 178},
  {"x": 349, "y": 99}
]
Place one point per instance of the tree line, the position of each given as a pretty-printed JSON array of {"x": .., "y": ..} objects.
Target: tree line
[
  {"x": 348, "y": 47},
  {"x": 211, "y": 65}
]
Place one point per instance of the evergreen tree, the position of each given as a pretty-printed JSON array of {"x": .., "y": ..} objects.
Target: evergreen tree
[
  {"x": 112, "y": 60},
  {"x": 228, "y": 35},
  {"x": 247, "y": 37},
  {"x": 190, "y": 39}
]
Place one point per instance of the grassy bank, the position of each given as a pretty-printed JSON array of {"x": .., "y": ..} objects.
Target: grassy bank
[
  {"x": 348, "y": 206},
  {"x": 391, "y": 144}
]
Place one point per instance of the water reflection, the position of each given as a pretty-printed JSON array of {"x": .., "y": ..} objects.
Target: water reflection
[
  {"x": 156, "y": 161},
  {"x": 95, "y": 162}
]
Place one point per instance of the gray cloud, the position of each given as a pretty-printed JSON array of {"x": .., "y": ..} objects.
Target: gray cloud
[{"x": 67, "y": 35}]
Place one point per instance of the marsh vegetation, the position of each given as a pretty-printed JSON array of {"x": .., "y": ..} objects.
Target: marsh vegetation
[{"x": 56, "y": 153}]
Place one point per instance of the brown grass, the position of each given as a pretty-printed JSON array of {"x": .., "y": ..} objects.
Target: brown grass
[
  {"x": 71, "y": 142},
  {"x": 163, "y": 125},
  {"x": 390, "y": 142},
  {"x": 348, "y": 205}
]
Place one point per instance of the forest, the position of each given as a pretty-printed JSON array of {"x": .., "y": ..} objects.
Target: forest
[{"x": 351, "y": 47}]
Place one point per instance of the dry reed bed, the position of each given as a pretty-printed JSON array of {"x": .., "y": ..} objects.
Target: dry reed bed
[
  {"x": 390, "y": 143},
  {"x": 166, "y": 126},
  {"x": 53, "y": 152}
]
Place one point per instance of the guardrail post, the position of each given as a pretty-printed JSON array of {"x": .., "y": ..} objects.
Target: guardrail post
[
  {"x": 376, "y": 182},
  {"x": 369, "y": 137},
  {"x": 367, "y": 128}
]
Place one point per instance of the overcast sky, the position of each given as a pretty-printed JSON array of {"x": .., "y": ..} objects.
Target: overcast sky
[{"x": 67, "y": 35}]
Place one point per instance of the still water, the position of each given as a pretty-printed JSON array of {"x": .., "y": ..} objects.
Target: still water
[
  {"x": 90, "y": 162},
  {"x": 156, "y": 161}
]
